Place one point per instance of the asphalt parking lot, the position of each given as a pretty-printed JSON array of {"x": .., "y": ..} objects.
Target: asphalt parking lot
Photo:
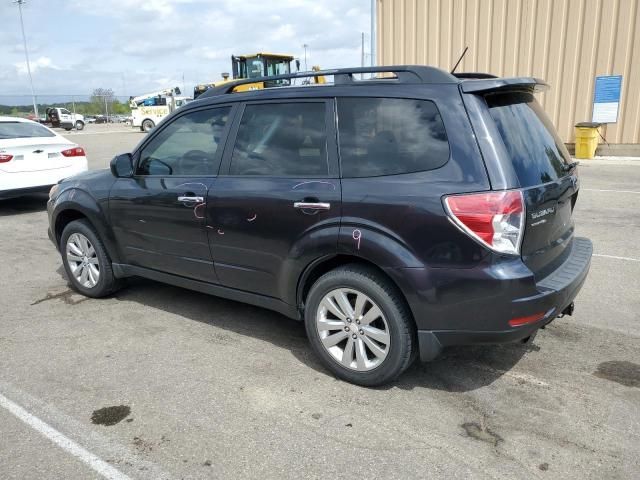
[{"x": 209, "y": 388}]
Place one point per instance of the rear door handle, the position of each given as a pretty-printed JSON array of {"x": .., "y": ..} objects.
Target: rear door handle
[
  {"x": 312, "y": 205},
  {"x": 191, "y": 199}
]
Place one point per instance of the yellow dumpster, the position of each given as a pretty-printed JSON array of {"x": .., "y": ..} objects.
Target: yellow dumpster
[{"x": 586, "y": 139}]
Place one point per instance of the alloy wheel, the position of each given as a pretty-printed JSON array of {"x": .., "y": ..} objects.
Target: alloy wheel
[
  {"x": 83, "y": 260},
  {"x": 353, "y": 329}
]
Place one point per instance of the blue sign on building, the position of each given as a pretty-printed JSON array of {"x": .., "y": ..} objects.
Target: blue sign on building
[{"x": 606, "y": 99}]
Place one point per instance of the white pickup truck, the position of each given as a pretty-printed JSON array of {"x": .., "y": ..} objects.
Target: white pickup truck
[{"x": 63, "y": 118}]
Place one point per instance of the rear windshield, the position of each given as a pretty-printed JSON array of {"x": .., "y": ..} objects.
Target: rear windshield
[
  {"x": 538, "y": 155},
  {"x": 23, "y": 130}
]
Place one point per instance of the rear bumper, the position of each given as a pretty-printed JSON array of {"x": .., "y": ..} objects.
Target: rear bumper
[
  {"x": 27, "y": 182},
  {"x": 18, "y": 192},
  {"x": 553, "y": 295}
]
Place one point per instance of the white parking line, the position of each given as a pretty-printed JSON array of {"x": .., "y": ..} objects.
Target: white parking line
[
  {"x": 616, "y": 258},
  {"x": 100, "y": 466},
  {"x": 73, "y": 134},
  {"x": 602, "y": 190}
]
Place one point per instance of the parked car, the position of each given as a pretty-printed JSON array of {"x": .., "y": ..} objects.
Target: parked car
[
  {"x": 90, "y": 119},
  {"x": 395, "y": 216},
  {"x": 101, "y": 119},
  {"x": 33, "y": 157}
]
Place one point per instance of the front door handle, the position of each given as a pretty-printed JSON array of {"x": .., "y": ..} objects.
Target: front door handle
[
  {"x": 185, "y": 199},
  {"x": 312, "y": 205}
]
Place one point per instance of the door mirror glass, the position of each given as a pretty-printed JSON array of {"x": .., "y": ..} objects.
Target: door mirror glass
[{"x": 122, "y": 165}]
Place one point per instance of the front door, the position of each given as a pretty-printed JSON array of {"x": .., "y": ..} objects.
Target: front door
[
  {"x": 278, "y": 205},
  {"x": 158, "y": 215}
]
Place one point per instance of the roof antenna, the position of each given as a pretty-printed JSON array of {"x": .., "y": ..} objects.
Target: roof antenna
[{"x": 460, "y": 59}]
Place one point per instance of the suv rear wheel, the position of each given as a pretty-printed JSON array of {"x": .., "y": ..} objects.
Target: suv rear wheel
[
  {"x": 86, "y": 261},
  {"x": 358, "y": 324}
]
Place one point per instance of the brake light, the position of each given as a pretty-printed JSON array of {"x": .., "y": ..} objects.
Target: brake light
[
  {"x": 5, "y": 157},
  {"x": 73, "y": 152},
  {"x": 495, "y": 219}
]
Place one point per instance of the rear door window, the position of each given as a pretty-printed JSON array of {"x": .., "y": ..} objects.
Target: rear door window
[
  {"x": 390, "y": 136},
  {"x": 537, "y": 153},
  {"x": 282, "y": 140}
]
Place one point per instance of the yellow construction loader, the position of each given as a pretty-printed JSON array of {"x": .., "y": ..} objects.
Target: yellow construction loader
[{"x": 256, "y": 65}]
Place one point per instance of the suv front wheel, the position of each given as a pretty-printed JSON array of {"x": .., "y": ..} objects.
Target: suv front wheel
[
  {"x": 359, "y": 325},
  {"x": 86, "y": 261}
]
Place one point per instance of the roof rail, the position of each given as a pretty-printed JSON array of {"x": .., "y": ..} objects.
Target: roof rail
[{"x": 404, "y": 74}]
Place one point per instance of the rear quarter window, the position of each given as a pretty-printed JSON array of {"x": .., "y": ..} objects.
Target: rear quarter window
[
  {"x": 389, "y": 136},
  {"x": 537, "y": 153}
]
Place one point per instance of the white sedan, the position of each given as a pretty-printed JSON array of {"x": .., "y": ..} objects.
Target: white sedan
[{"x": 34, "y": 157}]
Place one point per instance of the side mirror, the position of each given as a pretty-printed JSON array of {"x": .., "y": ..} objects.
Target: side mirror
[{"x": 122, "y": 165}]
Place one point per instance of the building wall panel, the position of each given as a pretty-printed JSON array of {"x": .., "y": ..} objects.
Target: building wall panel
[{"x": 566, "y": 42}]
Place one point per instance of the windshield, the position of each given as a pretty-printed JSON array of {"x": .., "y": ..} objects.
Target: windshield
[
  {"x": 277, "y": 67},
  {"x": 537, "y": 154},
  {"x": 23, "y": 130},
  {"x": 255, "y": 67}
]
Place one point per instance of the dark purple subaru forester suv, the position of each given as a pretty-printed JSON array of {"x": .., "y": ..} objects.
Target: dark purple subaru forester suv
[{"x": 394, "y": 215}]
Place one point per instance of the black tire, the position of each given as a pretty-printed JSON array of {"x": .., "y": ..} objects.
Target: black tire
[
  {"x": 147, "y": 125},
  {"x": 79, "y": 125},
  {"x": 107, "y": 283},
  {"x": 401, "y": 327}
]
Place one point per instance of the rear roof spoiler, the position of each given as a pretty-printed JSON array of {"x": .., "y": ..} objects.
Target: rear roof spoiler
[{"x": 501, "y": 84}]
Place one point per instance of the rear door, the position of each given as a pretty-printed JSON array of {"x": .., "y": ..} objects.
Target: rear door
[
  {"x": 278, "y": 204},
  {"x": 542, "y": 166}
]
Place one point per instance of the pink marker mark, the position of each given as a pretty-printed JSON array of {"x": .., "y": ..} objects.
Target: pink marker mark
[
  {"x": 357, "y": 235},
  {"x": 196, "y": 213}
]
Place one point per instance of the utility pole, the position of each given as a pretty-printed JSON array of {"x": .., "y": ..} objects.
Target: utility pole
[
  {"x": 26, "y": 54},
  {"x": 362, "y": 56},
  {"x": 305, "y": 46},
  {"x": 373, "y": 33}
]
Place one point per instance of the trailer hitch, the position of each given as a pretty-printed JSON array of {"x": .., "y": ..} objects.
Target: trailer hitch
[{"x": 568, "y": 310}]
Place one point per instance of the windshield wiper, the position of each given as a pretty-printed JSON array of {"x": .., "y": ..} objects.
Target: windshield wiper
[{"x": 570, "y": 166}]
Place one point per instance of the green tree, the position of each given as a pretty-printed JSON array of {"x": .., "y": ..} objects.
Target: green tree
[{"x": 101, "y": 100}]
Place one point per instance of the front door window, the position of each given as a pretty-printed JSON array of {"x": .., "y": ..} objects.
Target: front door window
[{"x": 186, "y": 147}]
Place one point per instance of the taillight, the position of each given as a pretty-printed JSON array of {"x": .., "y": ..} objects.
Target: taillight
[
  {"x": 5, "y": 157},
  {"x": 496, "y": 219},
  {"x": 73, "y": 152}
]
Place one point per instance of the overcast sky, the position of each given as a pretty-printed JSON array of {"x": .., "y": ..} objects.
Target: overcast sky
[{"x": 137, "y": 46}]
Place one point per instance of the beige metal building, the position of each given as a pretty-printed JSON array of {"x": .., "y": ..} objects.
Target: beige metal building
[{"x": 566, "y": 42}]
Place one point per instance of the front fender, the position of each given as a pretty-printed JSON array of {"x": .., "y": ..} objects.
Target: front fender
[{"x": 78, "y": 200}]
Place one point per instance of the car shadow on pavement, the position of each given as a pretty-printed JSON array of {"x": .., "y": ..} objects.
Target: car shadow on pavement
[
  {"x": 36, "y": 202},
  {"x": 457, "y": 369}
]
